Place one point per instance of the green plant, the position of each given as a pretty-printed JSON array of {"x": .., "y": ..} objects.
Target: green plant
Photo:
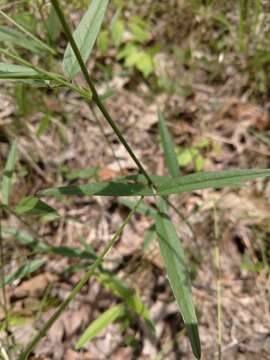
[
  {"x": 142, "y": 185},
  {"x": 134, "y": 51}
]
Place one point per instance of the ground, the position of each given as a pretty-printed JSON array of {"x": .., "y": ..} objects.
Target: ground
[{"x": 217, "y": 108}]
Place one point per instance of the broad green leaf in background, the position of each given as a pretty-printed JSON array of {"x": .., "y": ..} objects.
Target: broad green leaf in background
[
  {"x": 34, "y": 206},
  {"x": 103, "y": 42},
  {"x": 15, "y": 37},
  {"x": 141, "y": 59},
  {"x": 139, "y": 29},
  {"x": 198, "y": 162},
  {"x": 166, "y": 185},
  {"x": 8, "y": 172},
  {"x": 145, "y": 64},
  {"x": 128, "y": 50},
  {"x": 85, "y": 36},
  {"x": 185, "y": 157},
  {"x": 175, "y": 263},
  {"x": 117, "y": 32},
  {"x": 168, "y": 146},
  {"x": 106, "y": 318},
  {"x": 24, "y": 271}
]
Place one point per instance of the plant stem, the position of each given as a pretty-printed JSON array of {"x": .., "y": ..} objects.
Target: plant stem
[
  {"x": 95, "y": 95},
  {"x": 77, "y": 287},
  {"x": 218, "y": 279},
  {"x": 2, "y": 275}
]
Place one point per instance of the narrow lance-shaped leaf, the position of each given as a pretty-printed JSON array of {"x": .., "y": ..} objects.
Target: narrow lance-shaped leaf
[
  {"x": 166, "y": 187},
  {"x": 85, "y": 36},
  {"x": 24, "y": 271},
  {"x": 143, "y": 209},
  {"x": 34, "y": 206},
  {"x": 175, "y": 263},
  {"x": 168, "y": 146},
  {"x": 8, "y": 172},
  {"x": 36, "y": 245},
  {"x": 131, "y": 297},
  {"x": 53, "y": 26},
  {"x": 12, "y": 71},
  {"x": 94, "y": 329}
]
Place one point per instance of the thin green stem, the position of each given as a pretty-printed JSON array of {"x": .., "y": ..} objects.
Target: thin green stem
[
  {"x": 105, "y": 136},
  {"x": 218, "y": 275},
  {"x": 96, "y": 97},
  {"x": 77, "y": 287},
  {"x": 2, "y": 274},
  {"x": 26, "y": 32}
]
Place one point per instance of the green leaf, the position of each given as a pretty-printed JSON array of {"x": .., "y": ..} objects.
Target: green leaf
[
  {"x": 143, "y": 208},
  {"x": 185, "y": 157},
  {"x": 131, "y": 297},
  {"x": 103, "y": 42},
  {"x": 24, "y": 271},
  {"x": 101, "y": 189},
  {"x": 85, "y": 36},
  {"x": 166, "y": 185},
  {"x": 43, "y": 124},
  {"x": 17, "y": 69},
  {"x": 11, "y": 71},
  {"x": 158, "y": 180},
  {"x": 168, "y": 146},
  {"x": 145, "y": 64},
  {"x": 12, "y": 36},
  {"x": 138, "y": 29},
  {"x": 26, "y": 20},
  {"x": 142, "y": 60},
  {"x": 134, "y": 57},
  {"x": 128, "y": 50},
  {"x": 149, "y": 235},
  {"x": 199, "y": 162},
  {"x": 86, "y": 173},
  {"x": 211, "y": 179},
  {"x": 8, "y": 172},
  {"x": 117, "y": 32},
  {"x": 203, "y": 143},
  {"x": 34, "y": 206},
  {"x": 53, "y": 26},
  {"x": 26, "y": 239},
  {"x": 95, "y": 328},
  {"x": 175, "y": 263}
]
